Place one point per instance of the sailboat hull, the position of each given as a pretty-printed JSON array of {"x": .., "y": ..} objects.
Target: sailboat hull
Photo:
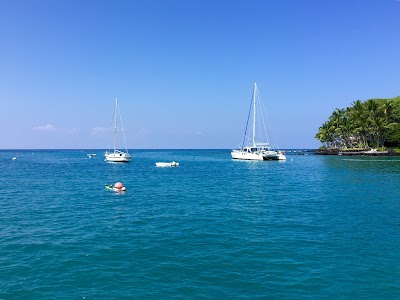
[
  {"x": 117, "y": 157},
  {"x": 274, "y": 155},
  {"x": 244, "y": 155}
]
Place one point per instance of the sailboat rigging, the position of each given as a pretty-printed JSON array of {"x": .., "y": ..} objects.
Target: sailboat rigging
[
  {"x": 253, "y": 149},
  {"x": 117, "y": 155}
]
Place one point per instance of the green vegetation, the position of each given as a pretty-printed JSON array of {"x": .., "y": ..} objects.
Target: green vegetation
[{"x": 374, "y": 123}]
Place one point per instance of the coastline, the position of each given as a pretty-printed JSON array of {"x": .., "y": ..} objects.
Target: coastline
[{"x": 354, "y": 152}]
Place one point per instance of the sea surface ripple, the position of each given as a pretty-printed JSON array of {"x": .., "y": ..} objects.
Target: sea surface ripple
[{"x": 310, "y": 227}]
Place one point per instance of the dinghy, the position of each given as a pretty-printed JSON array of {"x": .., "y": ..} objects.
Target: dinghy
[{"x": 167, "y": 164}]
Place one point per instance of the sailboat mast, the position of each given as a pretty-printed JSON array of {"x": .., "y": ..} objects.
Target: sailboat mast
[
  {"x": 254, "y": 113},
  {"x": 115, "y": 123}
]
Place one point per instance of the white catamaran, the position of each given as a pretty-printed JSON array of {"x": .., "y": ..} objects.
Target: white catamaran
[
  {"x": 252, "y": 149},
  {"x": 117, "y": 155}
]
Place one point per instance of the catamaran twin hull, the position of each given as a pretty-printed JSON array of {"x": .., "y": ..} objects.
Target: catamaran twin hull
[
  {"x": 275, "y": 156},
  {"x": 256, "y": 150},
  {"x": 268, "y": 155},
  {"x": 237, "y": 154}
]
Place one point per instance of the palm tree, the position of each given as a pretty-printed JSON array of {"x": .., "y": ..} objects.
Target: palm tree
[{"x": 363, "y": 124}]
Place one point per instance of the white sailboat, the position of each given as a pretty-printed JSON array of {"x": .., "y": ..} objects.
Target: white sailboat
[
  {"x": 117, "y": 155},
  {"x": 252, "y": 149}
]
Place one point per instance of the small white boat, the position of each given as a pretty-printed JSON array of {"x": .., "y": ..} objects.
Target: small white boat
[
  {"x": 257, "y": 150},
  {"x": 167, "y": 164},
  {"x": 117, "y": 155},
  {"x": 90, "y": 155}
]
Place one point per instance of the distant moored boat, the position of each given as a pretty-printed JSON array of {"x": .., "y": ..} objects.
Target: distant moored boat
[
  {"x": 117, "y": 155},
  {"x": 256, "y": 150}
]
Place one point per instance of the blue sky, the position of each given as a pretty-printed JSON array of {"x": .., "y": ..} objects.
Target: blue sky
[{"x": 184, "y": 70}]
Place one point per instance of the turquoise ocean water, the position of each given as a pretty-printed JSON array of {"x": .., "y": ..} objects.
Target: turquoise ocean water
[{"x": 309, "y": 228}]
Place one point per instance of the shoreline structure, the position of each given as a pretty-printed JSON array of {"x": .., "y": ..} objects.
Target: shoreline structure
[{"x": 356, "y": 152}]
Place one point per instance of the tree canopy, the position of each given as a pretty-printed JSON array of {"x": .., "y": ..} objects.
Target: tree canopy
[{"x": 372, "y": 123}]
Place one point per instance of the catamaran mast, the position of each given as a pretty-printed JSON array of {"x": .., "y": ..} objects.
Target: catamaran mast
[
  {"x": 254, "y": 113},
  {"x": 115, "y": 123}
]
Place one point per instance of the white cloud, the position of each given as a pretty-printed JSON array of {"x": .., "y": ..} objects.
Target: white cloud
[
  {"x": 52, "y": 128},
  {"x": 48, "y": 127}
]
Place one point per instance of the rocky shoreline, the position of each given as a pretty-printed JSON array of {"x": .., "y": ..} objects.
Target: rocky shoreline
[{"x": 360, "y": 152}]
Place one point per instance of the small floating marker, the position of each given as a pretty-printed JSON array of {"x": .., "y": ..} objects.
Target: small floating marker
[
  {"x": 118, "y": 185},
  {"x": 14, "y": 158}
]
